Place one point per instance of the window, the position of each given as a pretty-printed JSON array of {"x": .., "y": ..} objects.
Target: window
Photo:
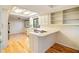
[{"x": 35, "y": 23}]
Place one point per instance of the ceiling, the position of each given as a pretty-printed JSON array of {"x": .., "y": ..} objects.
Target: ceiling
[{"x": 43, "y": 9}]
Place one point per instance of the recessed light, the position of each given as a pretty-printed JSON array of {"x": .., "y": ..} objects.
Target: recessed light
[
  {"x": 27, "y": 12},
  {"x": 23, "y": 12},
  {"x": 17, "y": 10},
  {"x": 32, "y": 14}
]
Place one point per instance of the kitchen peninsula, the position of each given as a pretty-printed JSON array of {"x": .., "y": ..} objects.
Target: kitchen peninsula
[{"x": 42, "y": 38}]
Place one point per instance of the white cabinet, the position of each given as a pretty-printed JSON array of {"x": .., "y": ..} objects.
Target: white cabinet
[
  {"x": 40, "y": 42},
  {"x": 44, "y": 20},
  {"x": 57, "y": 18},
  {"x": 69, "y": 16}
]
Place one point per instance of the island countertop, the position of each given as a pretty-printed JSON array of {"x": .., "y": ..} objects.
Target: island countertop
[
  {"x": 41, "y": 41},
  {"x": 47, "y": 30}
]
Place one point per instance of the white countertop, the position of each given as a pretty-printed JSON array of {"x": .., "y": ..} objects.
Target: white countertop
[{"x": 47, "y": 29}]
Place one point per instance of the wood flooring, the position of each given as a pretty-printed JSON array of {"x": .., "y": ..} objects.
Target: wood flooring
[
  {"x": 58, "y": 48},
  {"x": 18, "y": 43}
]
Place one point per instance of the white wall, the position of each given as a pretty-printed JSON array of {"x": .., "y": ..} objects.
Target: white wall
[
  {"x": 68, "y": 35},
  {"x": 4, "y": 13},
  {"x": 16, "y": 25}
]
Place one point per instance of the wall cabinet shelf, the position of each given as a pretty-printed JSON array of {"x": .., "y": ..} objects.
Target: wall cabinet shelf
[
  {"x": 57, "y": 18},
  {"x": 66, "y": 17}
]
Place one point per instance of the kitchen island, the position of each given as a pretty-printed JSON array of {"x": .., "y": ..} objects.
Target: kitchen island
[{"x": 41, "y": 39}]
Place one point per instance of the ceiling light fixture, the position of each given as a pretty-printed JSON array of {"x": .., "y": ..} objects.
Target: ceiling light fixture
[
  {"x": 22, "y": 12},
  {"x": 32, "y": 14},
  {"x": 17, "y": 10},
  {"x": 27, "y": 12}
]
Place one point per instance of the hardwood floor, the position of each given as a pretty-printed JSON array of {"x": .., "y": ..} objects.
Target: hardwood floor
[
  {"x": 58, "y": 48},
  {"x": 17, "y": 43}
]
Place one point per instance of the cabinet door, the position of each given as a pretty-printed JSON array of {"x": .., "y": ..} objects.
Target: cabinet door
[
  {"x": 57, "y": 18},
  {"x": 71, "y": 16},
  {"x": 33, "y": 40},
  {"x": 44, "y": 20}
]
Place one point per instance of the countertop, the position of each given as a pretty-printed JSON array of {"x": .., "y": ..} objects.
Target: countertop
[{"x": 48, "y": 30}]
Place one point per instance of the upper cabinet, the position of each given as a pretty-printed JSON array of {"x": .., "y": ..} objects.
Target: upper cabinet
[
  {"x": 57, "y": 18},
  {"x": 69, "y": 16},
  {"x": 44, "y": 20}
]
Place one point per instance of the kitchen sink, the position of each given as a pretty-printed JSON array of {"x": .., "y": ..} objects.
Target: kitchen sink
[{"x": 39, "y": 31}]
